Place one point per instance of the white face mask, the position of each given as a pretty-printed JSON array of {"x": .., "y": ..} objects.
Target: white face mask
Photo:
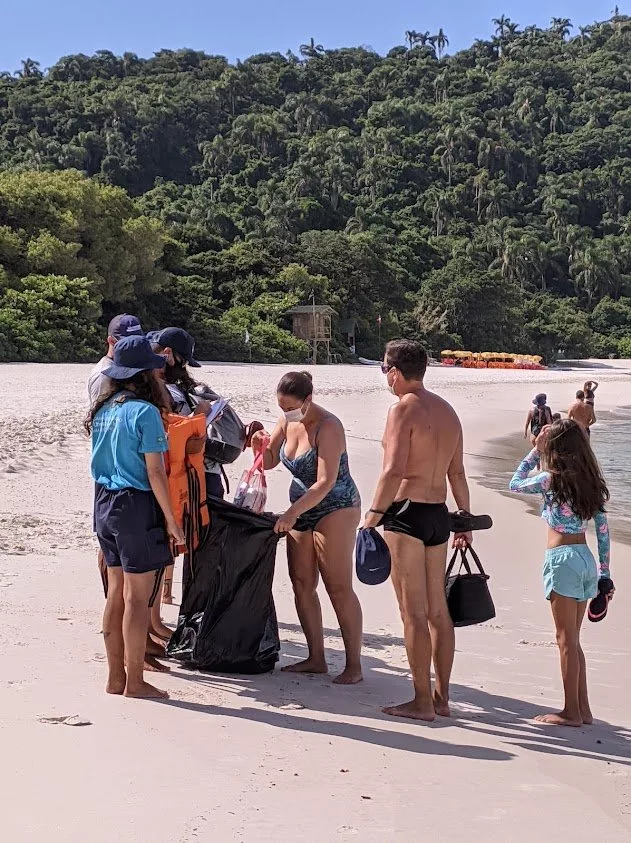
[
  {"x": 296, "y": 415},
  {"x": 390, "y": 386}
]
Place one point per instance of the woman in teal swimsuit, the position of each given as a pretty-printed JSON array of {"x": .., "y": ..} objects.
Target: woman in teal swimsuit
[{"x": 320, "y": 523}]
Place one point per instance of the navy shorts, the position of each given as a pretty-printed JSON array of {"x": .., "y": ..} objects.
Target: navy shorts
[{"x": 129, "y": 525}]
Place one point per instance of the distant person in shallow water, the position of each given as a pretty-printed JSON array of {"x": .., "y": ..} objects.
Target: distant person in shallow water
[
  {"x": 538, "y": 417},
  {"x": 320, "y": 523},
  {"x": 574, "y": 492},
  {"x": 581, "y": 412}
]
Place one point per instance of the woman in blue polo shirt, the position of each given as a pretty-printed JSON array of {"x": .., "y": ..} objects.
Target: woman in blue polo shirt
[{"x": 132, "y": 510}]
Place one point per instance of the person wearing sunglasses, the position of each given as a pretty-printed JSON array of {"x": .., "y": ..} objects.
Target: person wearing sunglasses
[{"x": 423, "y": 452}]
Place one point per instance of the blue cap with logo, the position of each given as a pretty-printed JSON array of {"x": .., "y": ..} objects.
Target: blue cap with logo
[
  {"x": 372, "y": 557},
  {"x": 131, "y": 356},
  {"x": 124, "y": 325}
]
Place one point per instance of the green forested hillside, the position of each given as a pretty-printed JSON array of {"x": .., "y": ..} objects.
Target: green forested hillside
[{"x": 478, "y": 200}]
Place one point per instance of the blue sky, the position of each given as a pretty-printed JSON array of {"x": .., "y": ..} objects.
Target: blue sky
[{"x": 47, "y": 29}]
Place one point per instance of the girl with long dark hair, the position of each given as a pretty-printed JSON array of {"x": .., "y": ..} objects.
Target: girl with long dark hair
[
  {"x": 133, "y": 517},
  {"x": 574, "y": 492}
]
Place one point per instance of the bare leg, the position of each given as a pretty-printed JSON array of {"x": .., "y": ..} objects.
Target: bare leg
[
  {"x": 564, "y": 611},
  {"x": 441, "y": 628},
  {"x": 137, "y": 591},
  {"x": 303, "y": 572},
  {"x": 167, "y": 592},
  {"x": 583, "y": 699},
  {"x": 409, "y": 580},
  {"x": 113, "y": 632},
  {"x": 156, "y": 627},
  {"x": 334, "y": 540}
]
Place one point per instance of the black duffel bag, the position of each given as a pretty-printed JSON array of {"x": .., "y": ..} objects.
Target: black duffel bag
[{"x": 468, "y": 596}]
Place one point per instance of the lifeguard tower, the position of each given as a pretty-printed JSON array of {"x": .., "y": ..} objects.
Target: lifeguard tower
[{"x": 312, "y": 323}]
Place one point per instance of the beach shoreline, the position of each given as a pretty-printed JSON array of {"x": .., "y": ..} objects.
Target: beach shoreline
[{"x": 278, "y": 756}]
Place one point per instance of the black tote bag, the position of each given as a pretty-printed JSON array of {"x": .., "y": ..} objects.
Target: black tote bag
[{"x": 468, "y": 596}]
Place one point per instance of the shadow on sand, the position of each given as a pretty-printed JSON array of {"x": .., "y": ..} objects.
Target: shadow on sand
[{"x": 507, "y": 720}]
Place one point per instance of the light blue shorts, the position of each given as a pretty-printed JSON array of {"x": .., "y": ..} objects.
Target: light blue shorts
[{"x": 571, "y": 571}]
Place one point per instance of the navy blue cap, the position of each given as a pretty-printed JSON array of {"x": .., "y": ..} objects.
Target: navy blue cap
[
  {"x": 124, "y": 325},
  {"x": 178, "y": 340},
  {"x": 372, "y": 557},
  {"x": 131, "y": 356}
]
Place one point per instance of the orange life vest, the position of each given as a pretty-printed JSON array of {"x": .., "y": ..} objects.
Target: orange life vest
[{"x": 187, "y": 478}]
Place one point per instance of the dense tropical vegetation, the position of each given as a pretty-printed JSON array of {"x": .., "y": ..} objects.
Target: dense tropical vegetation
[{"x": 478, "y": 200}]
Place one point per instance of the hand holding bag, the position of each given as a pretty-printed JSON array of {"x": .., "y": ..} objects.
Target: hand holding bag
[
  {"x": 252, "y": 490},
  {"x": 468, "y": 596}
]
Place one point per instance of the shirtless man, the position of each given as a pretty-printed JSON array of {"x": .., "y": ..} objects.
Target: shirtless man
[
  {"x": 582, "y": 412},
  {"x": 422, "y": 451}
]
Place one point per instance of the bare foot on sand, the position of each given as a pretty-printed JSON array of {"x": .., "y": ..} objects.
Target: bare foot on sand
[
  {"x": 560, "y": 719},
  {"x": 153, "y": 649},
  {"x": 162, "y": 632},
  {"x": 307, "y": 666},
  {"x": 116, "y": 684},
  {"x": 586, "y": 716},
  {"x": 441, "y": 706},
  {"x": 146, "y": 692},
  {"x": 349, "y": 676},
  {"x": 154, "y": 666},
  {"x": 412, "y": 710}
]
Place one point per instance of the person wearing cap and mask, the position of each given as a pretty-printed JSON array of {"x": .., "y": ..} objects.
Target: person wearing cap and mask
[
  {"x": 123, "y": 325},
  {"x": 177, "y": 346}
]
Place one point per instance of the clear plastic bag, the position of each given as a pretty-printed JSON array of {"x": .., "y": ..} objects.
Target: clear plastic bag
[{"x": 251, "y": 492}]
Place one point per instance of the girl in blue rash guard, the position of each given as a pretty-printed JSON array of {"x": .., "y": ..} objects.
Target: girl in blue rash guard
[{"x": 574, "y": 492}]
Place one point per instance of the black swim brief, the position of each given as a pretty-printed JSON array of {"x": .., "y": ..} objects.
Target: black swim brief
[{"x": 427, "y": 522}]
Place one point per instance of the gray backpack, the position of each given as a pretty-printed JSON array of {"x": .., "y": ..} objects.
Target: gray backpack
[{"x": 227, "y": 435}]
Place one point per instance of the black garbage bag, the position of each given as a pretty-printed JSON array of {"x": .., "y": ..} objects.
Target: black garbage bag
[{"x": 227, "y": 621}]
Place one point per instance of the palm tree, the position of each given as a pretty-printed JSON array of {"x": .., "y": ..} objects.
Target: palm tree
[
  {"x": 311, "y": 50},
  {"x": 440, "y": 86},
  {"x": 595, "y": 271},
  {"x": 501, "y": 25},
  {"x": 561, "y": 27},
  {"x": 557, "y": 109},
  {"x": 437, "y": 204},
  {"x": 450, "y": 142},
  {"x": 30, "y": 70},
  {"x": 585, "y": 32},
  {"x": 480, "y": 183},
  {"x": 441, "y": 42},
  {"x": 357, "y": 223},
  {"x": 411, "y": 36},
  {"x": 498, "y": 200}
]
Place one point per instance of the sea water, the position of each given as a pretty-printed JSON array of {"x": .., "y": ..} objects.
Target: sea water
[{"x": 611, "y": 441}]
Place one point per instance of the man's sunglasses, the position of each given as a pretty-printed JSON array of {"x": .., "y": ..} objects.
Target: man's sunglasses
[{"x": 385, "y": 368}]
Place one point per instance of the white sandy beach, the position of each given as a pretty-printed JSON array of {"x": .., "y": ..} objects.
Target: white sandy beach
[{"x": 282, "y": 757}]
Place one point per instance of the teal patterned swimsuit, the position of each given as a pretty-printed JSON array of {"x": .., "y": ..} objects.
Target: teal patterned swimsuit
[{"x": 344, "y": 495}]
